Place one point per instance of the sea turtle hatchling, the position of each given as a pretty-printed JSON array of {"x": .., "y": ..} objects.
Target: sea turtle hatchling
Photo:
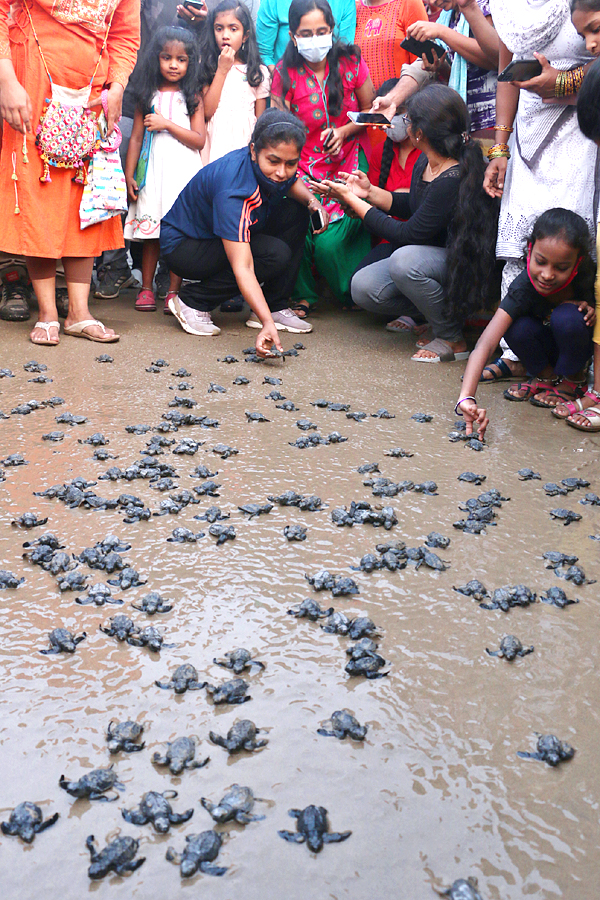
[
  {"x": 256, "y": 417},
  {"x": 29, "y": 520},
  {"x": 274, "y": 395},
  {"x": 222, "y": 533},
  {"x": 576, "y": 575},
  {"x": 461, "y": 889},
  {"x": 153, "y": 603},
  {"x": 63, "y": 641},
  {"x": 127, "y": 578},
  {"x": 98, "y": 595},
  {"x": 295, "y": 532},
  {"x": 337, "y": 623},
  {"x": 555, "y": 490},
  {"x": 118, "y": 856},
  {"x": 528, "y": 475},
  {"x": 9, "y": 580},
  {"x": 288, "y": 406},
  {"x": 216, "y": 388},
  {"x": 474, "y": 589},
  {"x": 154, "y": 808},
  {"x": 180, "y": 754},
  {"x": 253, "y": 510},
  {"x": 361, "y": 627},
  {"x": 93, "y": 785},
  {"x": 235, "y": 806},
  {"x": 149, "y": 637},
  {"x": 471, "y": 478},
  {"x": 124, "y": 736},
  {"x": 367, "y": 664},
  {"x": 234, "y": 691},
  {"x": 198, "y": 854},
  {"x": 26, "y": 820},
  {"x": 54, "y": 436},
  {"x": 510, "y": 647},
  {"x": 309, "y": 609},
  {"x": 555, "y": 559},
  {"x": 241, "y": 379},
  {"x": 238, "y": 660},
  {"x": 121, "y": 627},
  {"x": 184, "y": 536},
  {"x": 343, "y": 724},
  {"x": 184, "y": 678},
  {"x": 434, "y": 539},
  {"x": 212, "y": 514},
  {"x": 566, "y": 516},
  {"x": 555, "y": 596},
  {"x": 241, "y": 736},
  {"x": 181, "y": 373},
  {"x": 549, "y": 749},
  {"x": 224, "y": 451},
  {"x": 357, "y": 416},
  {"x": 312, "y": 828}
]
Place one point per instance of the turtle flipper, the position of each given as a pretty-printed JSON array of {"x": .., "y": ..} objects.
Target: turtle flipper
[
  {"x": 159, "y": 760},
  {"x": 7, "y": 828},
  {"x": 166, "y": 686},
  {"x": 130, "y": 866},
  {"x": 209, "y": 869},
  {"x": 180, "y": 818},
  {"x": 244, "y": 818},
  {"x": 172, "y": 856},
  {"x": 134, "y": 817},
  {"x": 326, "y": 733},
  {"x": 43, "y": 825},
  {"x": 292, "y": 836},
  {"x": 493, "y": 652},
  {"x": 526, "y": 650},
  {"x": 334, "y": 837},
  {"x": 525, "y": 755},
  {"x": 217, "y": 739}
]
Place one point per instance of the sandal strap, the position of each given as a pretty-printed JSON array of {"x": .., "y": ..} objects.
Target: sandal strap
[{"x": 46, "y": 326}]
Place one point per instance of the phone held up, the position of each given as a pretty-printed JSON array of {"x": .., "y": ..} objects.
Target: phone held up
[
  {"x": 194, "y": 6},
  {"x": 430, "y": 49},
  {"x": 317, "y": 220},
  {"x": 521, "y": 70},
  {"x": 378, "y": 120}
]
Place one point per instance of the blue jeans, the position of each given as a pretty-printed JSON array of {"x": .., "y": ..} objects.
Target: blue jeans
[{"x": 565, "y": 343}]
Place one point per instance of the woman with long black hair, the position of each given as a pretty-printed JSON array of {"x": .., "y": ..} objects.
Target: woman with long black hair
[{"x": 442, "y": 257}]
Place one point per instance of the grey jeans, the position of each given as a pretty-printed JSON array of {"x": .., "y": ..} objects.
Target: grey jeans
[{"x": 410, "y": 281}]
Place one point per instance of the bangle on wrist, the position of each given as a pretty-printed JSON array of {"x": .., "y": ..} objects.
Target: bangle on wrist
[
  {"x": 505, "y": 128},
  {"x": 313, "y": 204},
  {"x": 497, "y": 151},
  {"x": 457, "y": 411}
]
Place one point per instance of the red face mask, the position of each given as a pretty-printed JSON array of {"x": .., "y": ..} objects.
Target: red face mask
[{"x": 563, "y": 286}]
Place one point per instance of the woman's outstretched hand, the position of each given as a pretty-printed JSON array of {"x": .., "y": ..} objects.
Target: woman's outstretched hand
[
  {"x": 474, "y": 415},
  {"x": 266, "y": 338}
]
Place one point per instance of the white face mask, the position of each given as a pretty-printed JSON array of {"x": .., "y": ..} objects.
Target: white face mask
[
  {"x": 398, "y": 130},
  {"x": 314, "y": 49}
]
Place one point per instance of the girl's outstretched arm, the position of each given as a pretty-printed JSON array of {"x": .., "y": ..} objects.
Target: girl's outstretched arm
[
  {"x": 133, "y": 154},
  {"x": 193, "y": 137},
  {"x": 489, "y": 340}
]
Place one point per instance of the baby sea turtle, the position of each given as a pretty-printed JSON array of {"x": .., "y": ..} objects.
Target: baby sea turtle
[
  {"x": 309, "y": 609},
  {"x": 222, "y": 533},
  {"x": 565, "y": 515},
  {"x": 474, "y": 589},
  {"x": 203, "y": 471},
  {"x": 153, "y": 603},
  {"x": 256, "y": 417},
  {"x": 357, "y": 416},
  {"x": 471, "y": 478},
  {"x": 121, "y": 627},
  {"x": 368, "y": 563},
  {"x": 241, "y": 379},
  {"x": 549, "y": 749},
  {"x": 26, "y": 820},
  {"x": 241, "y": 736},
  {"x": 555, "y": 490},
  {"x": 69, "y": 419},
  {"x": 510, "y": 647},
  {"x": 228, "y": 359},
  {"x": 361, "y": 627},
  {"x": 6, "y": 373},
  {"x": 422, "y": 417},
  {"x": 590, "y": 500},
  {"x": 187, "y": 447},
  {"x": 63, "y": 641},
  {"x": 505, "y": 598},
  {"x": 181, "y": 373},
  {"x": 149, "y": 637},
  {"x": 184, "y": 678},
  {"x": 124, "y": 736},
  {"x": 127, "y": 578},
  {"x": 198, "y": 854},
  {"x": 235, "y": 806},
  {"x": 55, "y": 436},
  {"x": 368, "y": 468},
  {"x": 212, "y": 514},
  {"x": 184, "y": 536},
  {"x": 29, "y": 520},
  {"x": 224, "y": 451},
  {"x": 94, "y": 785},
  {"x": 312, "y": 828},
  {"x": 180, "y": 754},
  {"x": 274, "y": 395},
  {"x": 72, "y": 581},
  {"x": 306, "y": 425},
  {"x": 234, "y": 691},
  {"x": 461, "y": 889},
  {"x": 137, "y": 429},
  {"x": 155, "y": 808},
  {"x": 104, "y": 358},
  {"x": 14, "y": 459},
  {"x": 295, "y": 532},
  {"x": 382, "y": 414},
  {"x": 98, "y": 594},
  {"x": 576, "y": 575},
  {"x": 272, "y": 381},
  {"x": 337, "y": 623},
  {"x": 95, "y": 440},
  {"x": 555, "y": 559},
  {"x": 8, "y": 580},
  {"x": 117, "y": 856},
  {"x": 573, "y": 484},
  {"x": 528, "y": 475},
  {"x": 208, "y": 489},
  {"x": 239, "y": 660},
  {"x": 365, "y": 663},
  {"x": 288, "y": 406},
  {"x": 253, "y": 510},
  {"x": 437, "y": 540},
  {"x": 555, "y": 596},
  {"x": 216, "y": 388},
  {"x": 343, "y": 724}
]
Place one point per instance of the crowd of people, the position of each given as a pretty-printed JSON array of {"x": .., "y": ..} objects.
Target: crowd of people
[{"x": 420, "y": 161}]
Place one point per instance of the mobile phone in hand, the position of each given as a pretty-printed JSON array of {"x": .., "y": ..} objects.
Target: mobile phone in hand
[
  {"x": 521, "y": 70},
  {"x": 194, "y": 6},
  {"x": 423, "y": 48},
  {"x": 362, "y": 118},
  {"x": 317, "y": 219}
]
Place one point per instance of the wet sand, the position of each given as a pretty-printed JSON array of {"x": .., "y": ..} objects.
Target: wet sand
[{"x": 436, "y": 792}]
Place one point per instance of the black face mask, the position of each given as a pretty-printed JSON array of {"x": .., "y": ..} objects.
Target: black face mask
[{"x": 269, "y": 187}]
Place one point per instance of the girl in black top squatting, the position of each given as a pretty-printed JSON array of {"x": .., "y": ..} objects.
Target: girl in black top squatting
[{"x": 444, "y": 252}]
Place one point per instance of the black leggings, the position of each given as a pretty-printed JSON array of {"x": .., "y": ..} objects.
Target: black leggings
[{"x": 276, "y": 251}]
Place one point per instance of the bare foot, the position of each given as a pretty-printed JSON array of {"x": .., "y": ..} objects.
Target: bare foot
[{"x": 48, "y": 335}]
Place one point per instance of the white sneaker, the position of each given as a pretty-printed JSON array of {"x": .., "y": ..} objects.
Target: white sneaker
[
  {"x": 285, "y": 320},
  {"x": 192, "y": 320}
]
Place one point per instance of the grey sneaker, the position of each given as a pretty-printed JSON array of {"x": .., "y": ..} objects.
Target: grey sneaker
[
  {"x": 110, "y": 283},
  {"x": 285, "y": 320},
  {"x": 191, "y": 320},
  {"x": 13, "y": 305}
]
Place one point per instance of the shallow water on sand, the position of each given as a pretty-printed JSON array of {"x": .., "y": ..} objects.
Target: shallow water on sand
[{"x": 436, "y": 792}]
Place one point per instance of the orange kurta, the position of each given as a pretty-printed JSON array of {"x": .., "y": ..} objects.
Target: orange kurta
[
  {"x": 71, "y": 33},
  {"x": 380, "y": 30}
]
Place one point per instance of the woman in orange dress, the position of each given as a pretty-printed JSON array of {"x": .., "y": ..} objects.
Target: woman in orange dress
[{"x": 40, "y": 220}]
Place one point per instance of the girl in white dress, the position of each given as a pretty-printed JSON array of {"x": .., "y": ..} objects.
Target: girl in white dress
[
  {"x": 234, "y": 83},
  {"x": 170, "y": 113}
]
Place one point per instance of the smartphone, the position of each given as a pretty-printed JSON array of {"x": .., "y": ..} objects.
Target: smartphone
[
  {"x": 521, "y": 70},
  {"x": 328, "y": 140},
  {"x": 195, "y": 6},
  {"x": 377, "y": 119},
  {"x": 423, "y": 48},
  {"x": 317, "y": 220}
]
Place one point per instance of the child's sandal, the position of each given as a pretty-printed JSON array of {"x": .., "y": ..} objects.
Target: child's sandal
[{"x": 531, "y": 388}]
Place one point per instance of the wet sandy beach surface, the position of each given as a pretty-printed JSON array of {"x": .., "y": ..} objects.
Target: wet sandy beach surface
[{"x": 436, "y": 791}]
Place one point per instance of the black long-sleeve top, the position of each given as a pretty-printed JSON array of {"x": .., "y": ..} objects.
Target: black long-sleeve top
[{"x": 428, "y": 209}]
